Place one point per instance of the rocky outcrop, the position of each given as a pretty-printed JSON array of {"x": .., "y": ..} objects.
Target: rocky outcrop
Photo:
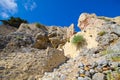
[
  {"x": 89, "y": 20},
  {"x": 16, "y": 41},
  {"x": 32, "y": 29},
  {"x": 3, "y": 42},
  {"x": 41, "y": 41},
  {"x": 98, "y": 58},
  {"x": 70, "y": 31},
  {"x": 5, "y": 29},
  {"x": 32, "y": 64},
  {"x": 57, "y": 35},
  {"x": 55, "y": 53},
  {"x": 97, "y": 31}
]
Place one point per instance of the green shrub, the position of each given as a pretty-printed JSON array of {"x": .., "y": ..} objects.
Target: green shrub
[
  {"x": 101, "y": 33},
  {"x": 14, "y": 21},
  {"x": 38, "y": 25},
  {"x": 78, "y": 39}
]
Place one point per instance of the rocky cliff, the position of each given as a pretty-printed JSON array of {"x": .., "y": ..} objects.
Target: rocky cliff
[{"x": 38, "y": 52}]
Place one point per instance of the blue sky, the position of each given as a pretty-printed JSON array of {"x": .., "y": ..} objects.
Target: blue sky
[{"x": 57, "y": 12}]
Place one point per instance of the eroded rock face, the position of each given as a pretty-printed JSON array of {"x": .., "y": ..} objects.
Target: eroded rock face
[
  {"x": 90, "y": 61},
  {"x": 41, "y": 41},
  {"x": 31, "y": 29},
  {"x": 70, "y": 31},
  {"x": 3, "y": 42},
  {"x": 35, "y": 63},
  {"x": 15, "y": 41},
  {"x": 97, "y": 31},
  {"x": 89, "y": 20},
  {"x": 57, "y": 35}
]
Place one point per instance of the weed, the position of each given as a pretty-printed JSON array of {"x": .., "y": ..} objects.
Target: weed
[
  {"x": 78, "y": 39},
  {"x": 115, "y": 58},
  {"x": 101, "y": 33}
]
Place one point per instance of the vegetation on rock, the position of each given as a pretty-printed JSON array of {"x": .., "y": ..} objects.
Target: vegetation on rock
[
  {"x": 38, "y": 25},
  {"x": 78, "y": 39},
  {"x": 101, "y": 33},
  {"x": 14, "y": 21}
]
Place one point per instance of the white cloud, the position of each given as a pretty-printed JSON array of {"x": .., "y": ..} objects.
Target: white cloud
[
  {"x": 30, "y": 5},
  {"x": 4, "y": 15},
  {"x": 8, "y": 7}
]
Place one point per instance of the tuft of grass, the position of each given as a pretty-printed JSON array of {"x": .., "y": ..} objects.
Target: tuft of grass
[
  {"x": 19, "y": 37},
  {"x": 115, "y": 58},
  {"x": 27, "y": 26},
  {"x": 38, "y": 25},
  {"x": 109, "y": 76},
  {"x": 113, "y": 75},
  {"x": 101, "y": 33},
  {"x": 78, "y": 39}
]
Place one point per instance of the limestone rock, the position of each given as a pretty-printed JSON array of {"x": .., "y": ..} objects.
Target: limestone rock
[
  {"x": 70, "y": 31},
  {"x": 31, "y": 29},
  {"x": 70, "y": 50},
  {"x": 89, "y": 20},
  {"x": 117, "y": 20},
  {"x": 5, "y": 29},
  {"x": 17, "y": 40},
  {"x": 41, "y": 41},
  {"x": 32, "y": 63},
  {"x": 98, "y": 76},
  {"x": 57, "y": 35},
  {"x": 3, "y": 42},
  {"x": 54, "y": 31}
]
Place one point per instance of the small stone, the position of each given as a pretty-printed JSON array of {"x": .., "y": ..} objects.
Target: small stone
[
  {"x": 82, "y": 75},
  {"x": 87, "y": 73},
  {"x": 62, "y": 77},
  {"x": 82, "y": 71},
  {"x": 86, "y": 68},
  {"x": 94, "y": 55},
  {"x": 105, "y": 68},
  {"x": 118, "y": 70},
  {"x": 92, "y": 71},
  {"x": 2, "y": 68},
  {"x": 99, "y": 69},
  {"x": 114, "y": 64},
  {"x": 81, "y": 65},
  {"x": 95, "y": 64},
  {"x": 80, "y": 78},
  {"x": 118, "y": 64},
  {"x": 87, "y": 78},
  {"x": 103, "y": 63},
  {"x": 31, "y": 78},
  {"x": 98, "y": 76}
]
